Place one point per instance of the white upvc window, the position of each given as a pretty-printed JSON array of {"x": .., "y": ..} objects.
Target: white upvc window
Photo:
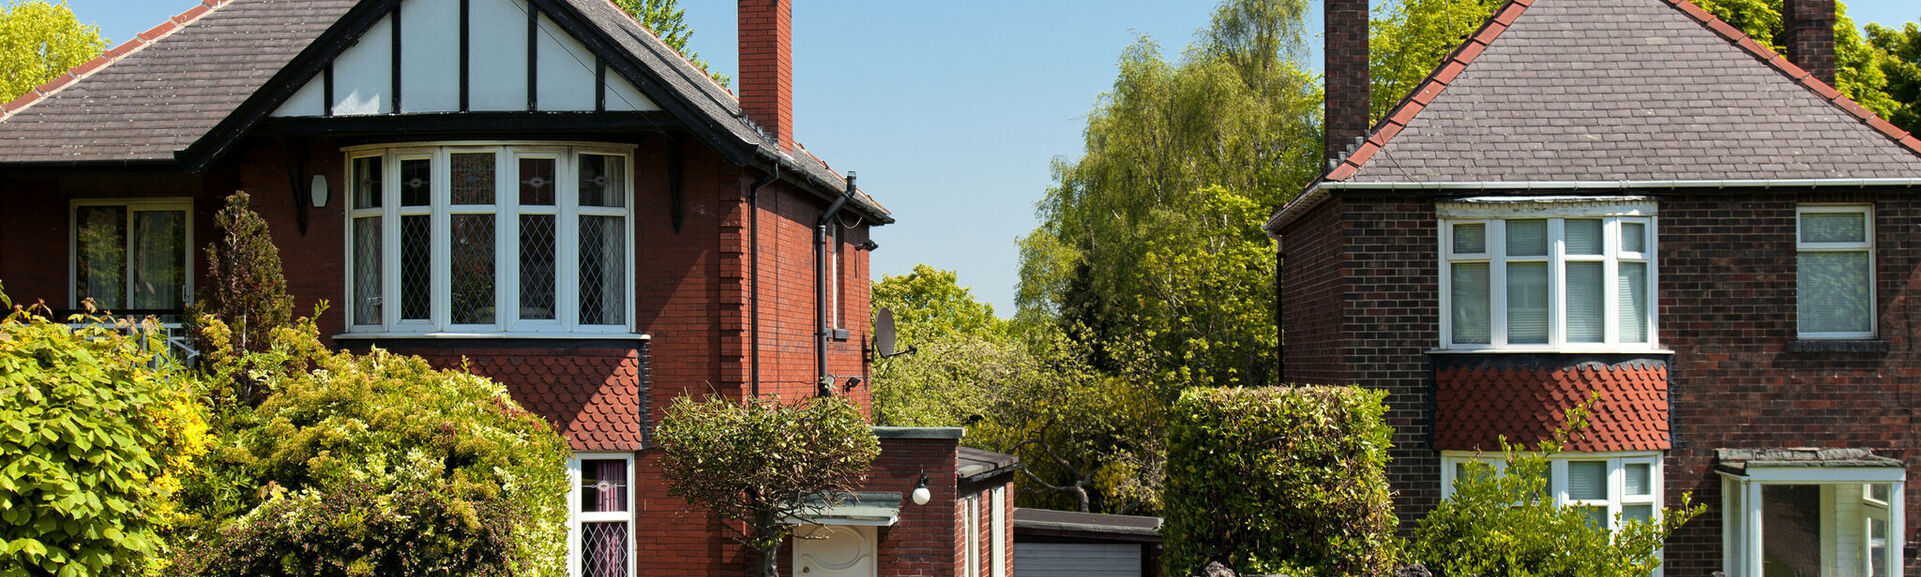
[
  {"x": 1610, "y": 488},
  {"x": 1834, "y": 271},
  {"x": 1578, "y": 278},
  {"x": 485, "y": 238},
  {"x": 131, "y": 253},
  {"x": 600, "y": 520}
]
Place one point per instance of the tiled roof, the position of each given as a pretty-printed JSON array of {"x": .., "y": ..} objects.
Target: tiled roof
[
  {"x": 590, "y": 395},
  {"x": 1623, "y": 90},
  {"x": 1477, "y": 404}
]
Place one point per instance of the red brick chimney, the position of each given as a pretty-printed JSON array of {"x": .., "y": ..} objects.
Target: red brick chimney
[
  {"x": 1346, "y": 74},
  {"x": 1808, "y": 34},
  {"x": 767, "y": 67}
]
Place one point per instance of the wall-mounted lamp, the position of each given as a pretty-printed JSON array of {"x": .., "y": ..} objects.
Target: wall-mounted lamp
[
  {"x": 319, "y": 191},
  {"x": 851, "y": 383},
  {"x": 921, "y": 494},
  {"x": 868, "y": 245}
]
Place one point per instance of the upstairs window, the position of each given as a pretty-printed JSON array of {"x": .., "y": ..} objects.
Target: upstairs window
[
  {"x": 489, "y": 239},
  {"x": 1834, "y": 271},
  {"x": 1582, "y": 281},
  {"x": 132, "y": 255}
]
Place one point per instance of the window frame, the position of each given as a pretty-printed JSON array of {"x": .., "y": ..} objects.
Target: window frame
[
  {"x": 575, "y": 517},
  {"x": 1867, "y": 245},
  {"x": 158, "y": 204},
  {"x": 1494, "y": 216},
  {"x": 567, "y": 214},
  {"x": 1616, "y": 502}
]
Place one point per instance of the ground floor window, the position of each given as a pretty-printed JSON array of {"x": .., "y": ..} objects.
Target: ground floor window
[
  {"x": 132, "y": 254},
  {"x": 1611, "y": 488},
  {"x": 601, "y": 521},
  {"x": 1818, "y": 522}
]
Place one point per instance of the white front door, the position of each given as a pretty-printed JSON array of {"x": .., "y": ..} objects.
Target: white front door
[{"x": 834, "y": 551}]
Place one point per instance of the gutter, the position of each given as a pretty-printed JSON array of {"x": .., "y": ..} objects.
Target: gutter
[{"x": 1318, "y": 191}]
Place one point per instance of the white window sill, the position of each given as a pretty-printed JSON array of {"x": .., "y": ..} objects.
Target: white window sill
[
  {"x": 1550, "y": 351},
  {"x": 472, "y": 336}
]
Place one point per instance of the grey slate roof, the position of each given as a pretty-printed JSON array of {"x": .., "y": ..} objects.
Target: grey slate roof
[
  {"x": 163, "y": 96},
  {"x": 1634, "y": 90},
  {"x": 170, "y": 92}
]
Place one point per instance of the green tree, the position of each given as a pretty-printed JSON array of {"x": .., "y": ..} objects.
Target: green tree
[
  {"x": 1901, "y": 64},
  {"x": 667, "y": 20},
  {"x": 753, "y": 464},
  {"x": 97, "y": 433},
  {"x": 246, "y": 292},
  {"x": 39, "y": 41}
]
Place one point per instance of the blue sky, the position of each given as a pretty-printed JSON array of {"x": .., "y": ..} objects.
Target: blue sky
[{"x": 952, "y": 112}]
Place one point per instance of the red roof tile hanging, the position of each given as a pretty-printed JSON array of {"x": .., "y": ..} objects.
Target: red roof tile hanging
[
  {"x": 591, "y": 396},
  {"x": 1476, "y": 406}
]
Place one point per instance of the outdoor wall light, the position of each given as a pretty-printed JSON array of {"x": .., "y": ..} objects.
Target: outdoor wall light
[
  {"x": 319, "y": 191},
  {"x": 867, "y": 246},
  {"x": 921, "y": 494}
]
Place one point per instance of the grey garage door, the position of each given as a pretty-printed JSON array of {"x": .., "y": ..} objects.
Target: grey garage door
[{"x": 1076, "y": 560}]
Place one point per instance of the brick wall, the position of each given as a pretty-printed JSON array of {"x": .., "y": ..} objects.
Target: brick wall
[
  {"x": 1313, "y": 299},
  {"x": 1388, "y": 322},
  {"x": 926, "y": 542}
]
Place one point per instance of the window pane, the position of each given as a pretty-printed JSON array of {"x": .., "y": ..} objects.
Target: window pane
[
  {"x": 1639, "y": 484},
  {"x": 1634, "y": 237},
  {"x": 367, "y": 182},
  {"x": 603, "y": 549},
  {"x": 1832, "y": 289},
  {"x": 100, "y": 248},
  {"x": 473, "y": 269},
  {"x": 1632, "y": 294},
  {"x": 537, "y": 266},
  {"x": 1471, "y": 320},
  {"x": 367, "y": 271},
  {"x": 1583, "y": 236},
  {"x": 1642, "y": 513},
  {"x": 159, "y": 259},
  {"x": 601, "y": 180},
  {"x": 1587, "y": 480},
  {"x": 416, "y": 182},
  {"x": 537, "y": 181},
  {"x": 1791, "y": 529},
  {"x": 603, "y": 485},
  {"x": 416, "y": 267},
  {"x": 1880, "y": 491},
  {"x": 1586, "y": 302},
  {"x": 1596, "y": 516},
  {"x": 603, "y": 284},
  {"x": 1527, "y": 238},
  {"x": 1470, "y": 238},
  {"x": 1527, "y": 302},
  {"x": 473, "y": 178},
  {"x": 1834, "y": 227}
]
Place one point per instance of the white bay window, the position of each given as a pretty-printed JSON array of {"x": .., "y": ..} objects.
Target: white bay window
[
  {"x": 489, "y": 238},
  {"x": 1525, "y": 273}
]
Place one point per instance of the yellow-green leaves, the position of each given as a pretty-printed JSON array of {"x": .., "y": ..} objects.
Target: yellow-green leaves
[{"x": 39, "y": 41}]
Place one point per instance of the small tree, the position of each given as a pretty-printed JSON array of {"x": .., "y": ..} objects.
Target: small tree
[
  {"x": 1507, "y": 524},
  {"x": 763, "y": 462},
  {"x": 39, "y": 41},
  {"x": 246, "y": 291}
]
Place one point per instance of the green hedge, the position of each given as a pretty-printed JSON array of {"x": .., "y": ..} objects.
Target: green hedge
[{"x": 1279, "y": 480}]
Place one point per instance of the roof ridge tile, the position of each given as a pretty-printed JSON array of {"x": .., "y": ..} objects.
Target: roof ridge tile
[{"x": 109, "y": 56}]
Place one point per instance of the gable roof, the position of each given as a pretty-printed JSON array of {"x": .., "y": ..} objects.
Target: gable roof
[
  {"x": 1586, "y": 92},
  {"x": 187, "y": 91}
]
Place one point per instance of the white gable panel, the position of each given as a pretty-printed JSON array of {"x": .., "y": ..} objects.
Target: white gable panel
[
  {"x": 430, "y": 56},
  {"x": 497, "y": 55},
  {"x": 622, "y": 96},
  {"x": 566, "y": 70},
  {"x": 310, "y": 100},
  {"x": 363, "y": 75}
]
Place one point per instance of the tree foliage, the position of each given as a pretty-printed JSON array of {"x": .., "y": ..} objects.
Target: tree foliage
[
  {"x": 1901, "y": 64},
  {"x": 757, "y": 463},
  {"x": 1287, "y": 480},
  {"x": 39, "y": 41},
  {"x": 667, "y": 20},
  {"x": 97, "y": 433}
]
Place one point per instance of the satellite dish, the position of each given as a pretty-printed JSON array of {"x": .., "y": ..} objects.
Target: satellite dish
[{"x": 884, "y": 333}]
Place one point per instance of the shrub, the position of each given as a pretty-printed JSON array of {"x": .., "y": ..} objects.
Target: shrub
[
  {"x": 1507, "y": 525},
  {"x": 377, "y": 464},
  {"x": 245, "y": 290},
  {"x": 95, "y": 435},
  {"x": 1279, "y": 480}
]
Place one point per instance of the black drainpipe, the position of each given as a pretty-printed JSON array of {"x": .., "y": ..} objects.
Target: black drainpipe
[
  {"x": 825, "y": 388},
  {"x": 753, "y": 271}
]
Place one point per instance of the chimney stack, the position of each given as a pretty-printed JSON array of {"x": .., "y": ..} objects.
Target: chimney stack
[
  {"x": 767, "y": 67},
  {"x": 1346, "y": 74},
  {"x": 1808, "y": 33}
]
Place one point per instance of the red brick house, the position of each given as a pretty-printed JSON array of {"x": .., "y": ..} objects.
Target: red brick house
[
  {"x": 539, "y": 186},
  {"x": 1629, "y": 199}
]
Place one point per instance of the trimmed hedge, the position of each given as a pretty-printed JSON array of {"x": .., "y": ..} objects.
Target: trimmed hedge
[{"x": 1287, "y": 480}]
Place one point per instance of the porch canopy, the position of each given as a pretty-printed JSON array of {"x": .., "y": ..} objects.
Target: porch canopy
[
  {"x": 873, "y": 509},
  {"x": 1813, "y": 512}
]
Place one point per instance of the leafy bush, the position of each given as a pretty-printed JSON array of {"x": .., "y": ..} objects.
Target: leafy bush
[
  {"x": 751, "y": 464},
  {"x": 378, "y": 464},
  {"x": 1285, "y": 480},
  {"x": 1507, "y": 525},
  {"x": 95, "y": 435}
]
